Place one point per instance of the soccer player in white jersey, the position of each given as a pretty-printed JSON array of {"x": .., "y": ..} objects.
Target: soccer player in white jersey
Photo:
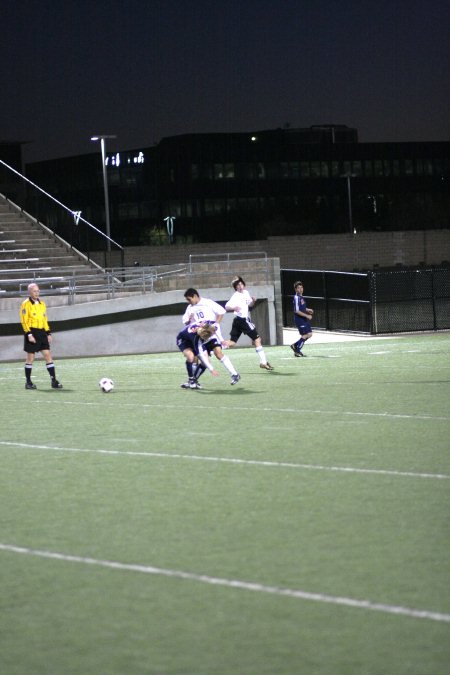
[
  {"x": 201, "y": 310},
  {"x": 240, "y": 303}
]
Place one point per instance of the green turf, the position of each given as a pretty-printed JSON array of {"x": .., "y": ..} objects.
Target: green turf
[{"x": 329, "y": 475}]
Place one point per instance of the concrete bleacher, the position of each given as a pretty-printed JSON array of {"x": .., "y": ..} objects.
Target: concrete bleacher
[{"x": 29, "y": 250}]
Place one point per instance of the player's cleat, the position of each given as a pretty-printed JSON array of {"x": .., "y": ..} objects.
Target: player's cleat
[
  {"x": 294, "y": 349},
  {"x": 266, "y": 366},
  {"x": 300, "y": 353},
  {"x": 235, "y": 378},
  {"x": 30, "y": 385},
  {"x": 56, "y": 384},
  {"x": 193, "y": 384},
  {"x": 190, "y": 384}
]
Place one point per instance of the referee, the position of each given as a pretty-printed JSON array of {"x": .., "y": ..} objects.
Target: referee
[{"x": 37, "y": 335}]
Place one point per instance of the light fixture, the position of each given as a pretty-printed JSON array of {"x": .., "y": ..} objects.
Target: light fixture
[{"x": 101, "y": 138}]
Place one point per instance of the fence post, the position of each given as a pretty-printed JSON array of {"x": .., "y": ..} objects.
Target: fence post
[{"x": 325, "y": 295}]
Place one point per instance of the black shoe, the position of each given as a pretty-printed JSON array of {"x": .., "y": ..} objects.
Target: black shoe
[
  {"x": 56, "y": 384},
  {"x": 235, "y": 379},
  {"x": 30, "y": 385},
  {"x": 300, "y": 353}
]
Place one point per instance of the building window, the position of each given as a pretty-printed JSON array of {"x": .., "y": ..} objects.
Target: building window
[
  {"x": 368, "y": 168},
  {"x": 231, "y": 205},
  {"x": 218, "y": 171},
  {"x": 357, "y": 168},
  {"x": 315, "y": 169},
  {"x": 214, "y": 207},
  {"x": 409, "y": 167},
  {"x": 294, "y": 170},
  {"x": 304, "y": 169},
  {"x": 172, "y": 208},
  {"x": 229, "y": 170},
  {"x": 428, "y": 167},
  {"x": 378, "y": 167},
  {"x": 260, "y": 170},
  {"x": 128, "y": 211},
  {"x": 223, "y": 171}
]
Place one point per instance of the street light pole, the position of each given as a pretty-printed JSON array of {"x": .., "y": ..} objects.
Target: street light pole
[
  {"x": 350, "y": 213},
  {"x": 101, "y": 138}
]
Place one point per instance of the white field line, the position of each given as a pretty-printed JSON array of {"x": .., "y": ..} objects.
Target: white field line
[
  {"x": 386, "y": 415},
  {"x": 234, "y": 583},
  {"x": 230, "y": 460}
]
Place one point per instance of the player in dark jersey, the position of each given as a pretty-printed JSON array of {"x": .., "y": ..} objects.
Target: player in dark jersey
[{"x": 302, "y": 318}]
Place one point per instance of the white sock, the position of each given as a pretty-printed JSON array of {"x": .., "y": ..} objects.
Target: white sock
[
  {"x": 262, "y": 356},
  {"x": 228, "y": 365}
]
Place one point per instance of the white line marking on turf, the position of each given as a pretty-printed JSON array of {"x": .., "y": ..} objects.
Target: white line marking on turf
[
  {"x": 231, "y": 460},
  {"x": 387, "y": 415},
  {"x": 234, "y": 583}
]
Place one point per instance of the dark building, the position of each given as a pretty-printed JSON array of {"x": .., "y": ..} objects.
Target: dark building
[
  {"x": 11, "y": 184},
  {"x": 221, "y": 187}
]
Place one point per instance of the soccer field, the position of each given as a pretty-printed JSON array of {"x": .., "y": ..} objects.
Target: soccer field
[{"x": 295, "y": 523}]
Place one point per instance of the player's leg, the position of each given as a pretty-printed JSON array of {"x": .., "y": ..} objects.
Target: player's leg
[
  {"x": 225, "y": 361},
  {"x": 28, "y": 369},
  {"x": 46, "y": 353},
  {"x": 253, "y": 334}
]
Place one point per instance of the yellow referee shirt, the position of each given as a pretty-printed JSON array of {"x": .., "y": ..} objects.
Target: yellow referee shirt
[{"x": 33, "y": 314}]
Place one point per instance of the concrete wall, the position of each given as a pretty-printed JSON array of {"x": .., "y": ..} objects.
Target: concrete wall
[
  {"x": 131, "y": 325},
  {"x": 342, "y": 252}
]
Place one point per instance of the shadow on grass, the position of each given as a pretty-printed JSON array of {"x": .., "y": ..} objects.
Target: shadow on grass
[{"x": 232, "y": 391}]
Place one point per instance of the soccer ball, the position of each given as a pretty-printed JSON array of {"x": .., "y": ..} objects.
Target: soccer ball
[{"x": 106, "y": 384}]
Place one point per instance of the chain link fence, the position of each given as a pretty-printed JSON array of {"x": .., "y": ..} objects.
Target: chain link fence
[{"x": 390, "y": 301}]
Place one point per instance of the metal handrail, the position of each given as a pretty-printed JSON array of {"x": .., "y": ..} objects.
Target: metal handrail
[
  {"x": 76, "y": 215},
  {"x": 116, "y": 280}
]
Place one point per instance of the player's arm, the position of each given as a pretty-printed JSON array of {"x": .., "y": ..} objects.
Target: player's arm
[
  {"x": 218, "y": 310},
  {"x": 25, "y": 318},
  {"x": 46, "y": 324},
  {"x": 204, "y": 357},
  {"x": 307, "y": 314},
  {"x": 26, "y": 321},
  {"x": 231, "y": 306},
  {"x": 188, "y": 316}
]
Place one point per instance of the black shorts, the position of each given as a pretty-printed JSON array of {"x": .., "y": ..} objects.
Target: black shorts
[
  {"x": 41, "y": 341},
  {"x": 245, "y": 326},
  {"x": 211, "y": 344}
]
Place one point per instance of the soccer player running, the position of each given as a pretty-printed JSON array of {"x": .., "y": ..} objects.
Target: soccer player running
[
  {"x": 204, "y": 310},
  {"x": 240, "y": 303},
  {"x": 302, "y": 318},
  {"x": 37, "y": 335},
  {"x": 196, "y": 362}
]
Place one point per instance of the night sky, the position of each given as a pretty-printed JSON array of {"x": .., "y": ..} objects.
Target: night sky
[{"x": 146, "y": 69}]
